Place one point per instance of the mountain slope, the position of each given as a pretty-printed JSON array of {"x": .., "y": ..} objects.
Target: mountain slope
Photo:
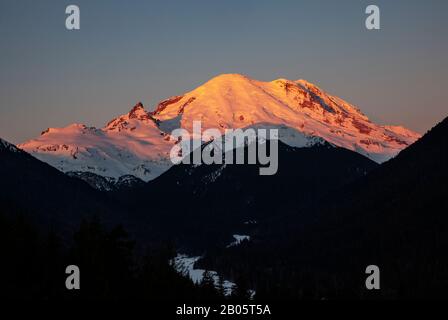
[
  {"x": 202, "y": 205},
  {"x": 236, "y": 101},
  {"x": 394, "y": 217},
  {"x": 131, "y": 144},
  {"x": 48, "y": 197},
  {"x": 138, "y": 143}
]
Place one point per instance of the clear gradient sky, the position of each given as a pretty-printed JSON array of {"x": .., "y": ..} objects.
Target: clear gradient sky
[{"x": 129, "y": 51}]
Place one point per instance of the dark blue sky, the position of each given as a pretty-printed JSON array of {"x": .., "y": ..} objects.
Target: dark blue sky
[{"x": 127, "y": 51}]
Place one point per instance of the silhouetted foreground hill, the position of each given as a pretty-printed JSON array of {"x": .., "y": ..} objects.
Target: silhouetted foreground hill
[
  {"x": 326, "y": 216},
  {"x": 202, "y": 206},
  {"x": 46, "y": 196},
  {"x": 49, "y": 221},
  {"x": 395, "y": 217}
]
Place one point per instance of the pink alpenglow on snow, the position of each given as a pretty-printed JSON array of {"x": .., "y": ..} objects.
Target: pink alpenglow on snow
[
  {"x": 298, "y": 108},
  {"x": 139, "y": 142},
  {"x": 131, "y": 144}
]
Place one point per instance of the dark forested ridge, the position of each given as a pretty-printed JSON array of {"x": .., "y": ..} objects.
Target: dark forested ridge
[
  {"x": 33, "y": 266},
  {"x": 395, "y": 217},
  {"x": 194, "y": 206},
  {"x": 314, "y": 227},
  {"x": 48, "y": 198},
  {"x": 202, "y": 206}
]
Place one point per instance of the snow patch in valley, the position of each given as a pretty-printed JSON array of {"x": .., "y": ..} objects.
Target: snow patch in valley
[
  {"x": 185, "y": 265},
  {"x": 238, "y": 240}
]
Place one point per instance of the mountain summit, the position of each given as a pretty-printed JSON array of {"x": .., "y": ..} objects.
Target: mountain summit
[
  {"x": 299, "y": 108},
  {"x": 138, "y": 143}
]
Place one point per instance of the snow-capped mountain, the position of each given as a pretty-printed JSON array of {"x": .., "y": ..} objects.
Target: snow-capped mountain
[
  {"x": 131, "y": 144},
  {"x": 138, "y": 143},
  {"x": 300, "y": 109}
]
